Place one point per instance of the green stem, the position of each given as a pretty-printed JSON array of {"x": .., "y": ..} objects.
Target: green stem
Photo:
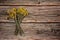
[{"x": 18, "y": 29}]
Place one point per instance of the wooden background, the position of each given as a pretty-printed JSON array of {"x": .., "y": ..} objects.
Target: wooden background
[{"x": 42, "y": 23}]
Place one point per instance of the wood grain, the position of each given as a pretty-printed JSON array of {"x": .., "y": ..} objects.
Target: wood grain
[
  {"x": 34, "y": 27},
  {"x": 18, "y": 2},
  {"x": 30, "y": 2},
  {"x": 42, "y": 23}
]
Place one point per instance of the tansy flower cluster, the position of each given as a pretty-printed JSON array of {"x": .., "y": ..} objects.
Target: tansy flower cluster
[{"x": 12, "y": 12}]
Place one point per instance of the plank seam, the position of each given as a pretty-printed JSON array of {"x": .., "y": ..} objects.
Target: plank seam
[{"x": 29, "y": 5}]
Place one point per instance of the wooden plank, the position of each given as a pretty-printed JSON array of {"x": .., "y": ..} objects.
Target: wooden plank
[
  {"x": 34, "y": 19},
  {"x": 33, "y": 9},
  {"x": 29, "y": 2},
  {"x": 49, "y": 2},
  {"x": 32, "y": 28},
  {"x": 18, "y": 2},
  {"x": 36, "y": 14}
]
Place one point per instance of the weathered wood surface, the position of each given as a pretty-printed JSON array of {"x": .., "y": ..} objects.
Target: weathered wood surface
[{"x": 42, "y": 23}]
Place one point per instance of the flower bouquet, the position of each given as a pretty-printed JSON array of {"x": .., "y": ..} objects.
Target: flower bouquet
[{"x": 18, "y": 15}]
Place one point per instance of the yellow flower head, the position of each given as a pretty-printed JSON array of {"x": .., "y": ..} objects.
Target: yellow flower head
[
  {"x": 22, "y": 11},
  {"x": 12, "y": 13}
]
